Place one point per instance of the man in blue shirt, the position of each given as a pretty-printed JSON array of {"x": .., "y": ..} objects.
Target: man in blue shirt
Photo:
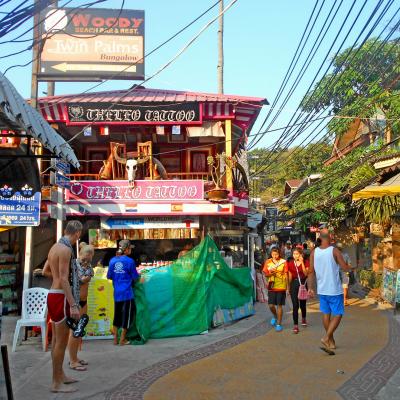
[{"x": 122, "y": 272}]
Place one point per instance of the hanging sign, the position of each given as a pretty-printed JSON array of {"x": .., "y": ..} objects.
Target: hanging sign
[
  {"x": 150, "y": 223},
  {"x": 141, "y": 113},
  {"x": 91, "y": 44},
  {"x": 109, "y": 191},
  {"x": 19, "y": 207}
]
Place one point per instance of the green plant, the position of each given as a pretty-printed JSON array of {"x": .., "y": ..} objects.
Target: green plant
[
  {"x": 379, "y": 210},
  {"x": 370, "y": 279}
]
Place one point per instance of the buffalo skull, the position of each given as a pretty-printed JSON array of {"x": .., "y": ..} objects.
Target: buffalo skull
[{"x": 131, "y": 165}]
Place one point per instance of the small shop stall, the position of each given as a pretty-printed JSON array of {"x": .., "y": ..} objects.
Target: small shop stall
[{"x": 184, "y": 297}]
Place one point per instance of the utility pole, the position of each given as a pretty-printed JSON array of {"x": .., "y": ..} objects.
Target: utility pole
[
  {"x": 34, "y": 95},
  {"x": 220, "y": 66}
]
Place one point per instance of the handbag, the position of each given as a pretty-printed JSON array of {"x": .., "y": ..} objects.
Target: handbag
[{"x": 303, "y": 292}]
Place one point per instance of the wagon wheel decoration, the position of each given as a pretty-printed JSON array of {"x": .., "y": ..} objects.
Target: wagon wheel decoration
[{"x": 240, "y": 180}]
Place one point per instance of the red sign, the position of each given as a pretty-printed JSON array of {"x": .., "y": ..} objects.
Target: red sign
[{"x": 120, "y": 191}]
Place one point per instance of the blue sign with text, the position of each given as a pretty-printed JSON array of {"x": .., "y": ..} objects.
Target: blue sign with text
[{"x": 20, "y": 210}]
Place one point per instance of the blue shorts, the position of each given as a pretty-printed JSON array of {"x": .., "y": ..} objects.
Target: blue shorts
[{"x": 331, "y": 304}]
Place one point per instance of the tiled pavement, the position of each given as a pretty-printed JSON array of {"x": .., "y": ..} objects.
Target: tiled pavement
[
  {"x": 367, "y": 384},
  {"x": 376, "y": 373},
  {"x": 134, "y": 387}
]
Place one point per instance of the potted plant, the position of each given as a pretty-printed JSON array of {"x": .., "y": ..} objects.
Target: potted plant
[{"x": 219, "y": 165}]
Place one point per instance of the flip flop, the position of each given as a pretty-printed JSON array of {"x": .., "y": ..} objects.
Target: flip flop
[
  {"x": 125, "y": 343},
  {"x": 70, "y": 381},
  {"x": 328, "y": 351},
  {"x": 325, "y": 347},
  {"x": 83, "y": 362},
  {"x": 79, "y": 368},
  {"x": 63, "y": 389}
]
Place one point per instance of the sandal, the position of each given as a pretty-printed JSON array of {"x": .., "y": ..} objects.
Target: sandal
[
  {"x": 83, "y": 362},
  {"x": 78, "y": 367}
]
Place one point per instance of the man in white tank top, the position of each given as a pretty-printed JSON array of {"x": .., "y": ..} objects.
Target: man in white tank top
[{"x": 325, "y": 264}]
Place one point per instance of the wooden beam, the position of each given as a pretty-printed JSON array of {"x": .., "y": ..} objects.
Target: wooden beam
[{"x": 228, "y": 152}]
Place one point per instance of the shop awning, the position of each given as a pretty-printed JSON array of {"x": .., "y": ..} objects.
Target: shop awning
[
  {"x": 17, "y": 114},
  {"x": 389, "y": 188}
]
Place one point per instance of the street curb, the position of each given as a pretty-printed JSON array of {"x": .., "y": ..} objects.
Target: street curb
[
  {"x": 375, "y": 374},
  {"x": 135, "y": 386}
]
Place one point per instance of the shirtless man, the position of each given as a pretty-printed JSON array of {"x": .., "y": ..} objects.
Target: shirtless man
[{"x": 61, "y": 303}]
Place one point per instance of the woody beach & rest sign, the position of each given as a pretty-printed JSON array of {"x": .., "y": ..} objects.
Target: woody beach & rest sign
[{"x": 143, "y": 113}]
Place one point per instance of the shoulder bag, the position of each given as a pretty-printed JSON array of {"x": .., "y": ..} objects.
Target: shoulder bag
[{"x": 303, "y": 292}]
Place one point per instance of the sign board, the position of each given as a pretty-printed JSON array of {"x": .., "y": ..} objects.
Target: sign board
[
  {"x": 61, "y": 166},
  {"x": 121, "y": 191},
  {"x": 19, "y": 208},
  {"x": 100, "y": 306},
  {"x": 150, "y": 223},
  {"x": 92, "y": 44},
  {"x": 143, "y": 113},
  {"x": 59, "y": 180},
  {"x": 271, "y": 213}
]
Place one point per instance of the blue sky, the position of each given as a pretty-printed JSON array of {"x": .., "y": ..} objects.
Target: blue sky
[{"x": 260, "y": 39}]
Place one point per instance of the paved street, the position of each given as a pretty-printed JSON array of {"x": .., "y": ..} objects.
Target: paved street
[{"x": 243, "y": 361}]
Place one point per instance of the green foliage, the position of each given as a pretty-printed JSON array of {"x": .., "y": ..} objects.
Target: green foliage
[
  {"x": 294, "y": 163},
  {"x": 362, "y": 82},
  {"x": 379, "y": 210},
  {"x": 338, "y": 178},
  {"x": 370, "y": 279}
]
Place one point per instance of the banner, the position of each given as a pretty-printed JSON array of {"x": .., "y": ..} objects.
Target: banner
[
  {"x": 104, "y": 191},
  {"x": 100, "y": 305},
  {"x": 143, "y": 113}
]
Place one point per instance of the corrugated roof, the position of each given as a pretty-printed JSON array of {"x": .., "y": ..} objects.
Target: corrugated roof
[
  {"x": 19, "y": 115},
  {"x": 141, "y": 94}
]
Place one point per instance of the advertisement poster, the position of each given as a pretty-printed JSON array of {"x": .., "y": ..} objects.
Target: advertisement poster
[
  {"x": 19, "y": 206},
  {"x": 100, "y": 306},
  {"x": 92, "y": 43},
  {"x": 389, "y": 285}
]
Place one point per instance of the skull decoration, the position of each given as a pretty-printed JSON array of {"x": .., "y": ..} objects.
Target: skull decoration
[
  {"x": 131, "y": 169},
  {"x": 131, "y": 165}
]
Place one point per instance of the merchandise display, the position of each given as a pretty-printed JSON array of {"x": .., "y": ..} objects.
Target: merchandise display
[{"x": 9, "y": 266}]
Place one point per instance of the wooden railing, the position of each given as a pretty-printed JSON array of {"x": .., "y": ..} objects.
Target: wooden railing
[{"x": 189, "y": 175}]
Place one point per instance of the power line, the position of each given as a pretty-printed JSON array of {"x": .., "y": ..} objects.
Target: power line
[
  {"x": 334, "y": 76},
  {"x": 180, "y": 52}
]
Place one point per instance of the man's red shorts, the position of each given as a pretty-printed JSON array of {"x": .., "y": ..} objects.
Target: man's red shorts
[{"x": 57, "y": 305}]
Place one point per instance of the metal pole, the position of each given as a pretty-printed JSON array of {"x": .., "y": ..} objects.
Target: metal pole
[
  {"x": 34, "y": 94},
  {"x": 220, "y": 66}
]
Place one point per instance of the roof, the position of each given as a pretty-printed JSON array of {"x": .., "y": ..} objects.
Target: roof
[
  {"x": 140, "y": 94},
  {"x": 389, "y": 188},
  {"x": 17, "y": 114},
  {"x": 242, "y": 110},
  {"x": 294, "y": 183}
]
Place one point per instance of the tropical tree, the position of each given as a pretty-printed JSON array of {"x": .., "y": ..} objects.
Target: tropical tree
[{"x": 364, "y": 81}]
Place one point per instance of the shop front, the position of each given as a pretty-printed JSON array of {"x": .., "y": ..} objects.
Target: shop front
[{"x": 160, "y": 168}]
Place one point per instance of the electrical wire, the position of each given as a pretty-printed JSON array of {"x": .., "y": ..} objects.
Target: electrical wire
[
  {"x": 177, "y": 55},
  {"x": 300, "y": 131}
]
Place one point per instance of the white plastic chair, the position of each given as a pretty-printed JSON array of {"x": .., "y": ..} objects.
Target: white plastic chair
[{"x": 34, "y": 313}]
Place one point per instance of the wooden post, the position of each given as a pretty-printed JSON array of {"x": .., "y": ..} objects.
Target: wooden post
[
  {"x": 228, "y": 152},
  {"x": 220, "y": 66}
]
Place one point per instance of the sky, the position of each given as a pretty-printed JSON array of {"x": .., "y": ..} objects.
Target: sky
[{"x": 260, "y": 39}]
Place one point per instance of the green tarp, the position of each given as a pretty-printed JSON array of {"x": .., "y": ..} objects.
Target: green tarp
[{"x": 180, "y": 300}]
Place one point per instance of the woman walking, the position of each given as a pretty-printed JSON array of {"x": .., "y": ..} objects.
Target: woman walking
[
  {"x": 85, "y": 273},
  {"x": 298, "y": 271},
  {"x": 276, "y": 270}
]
